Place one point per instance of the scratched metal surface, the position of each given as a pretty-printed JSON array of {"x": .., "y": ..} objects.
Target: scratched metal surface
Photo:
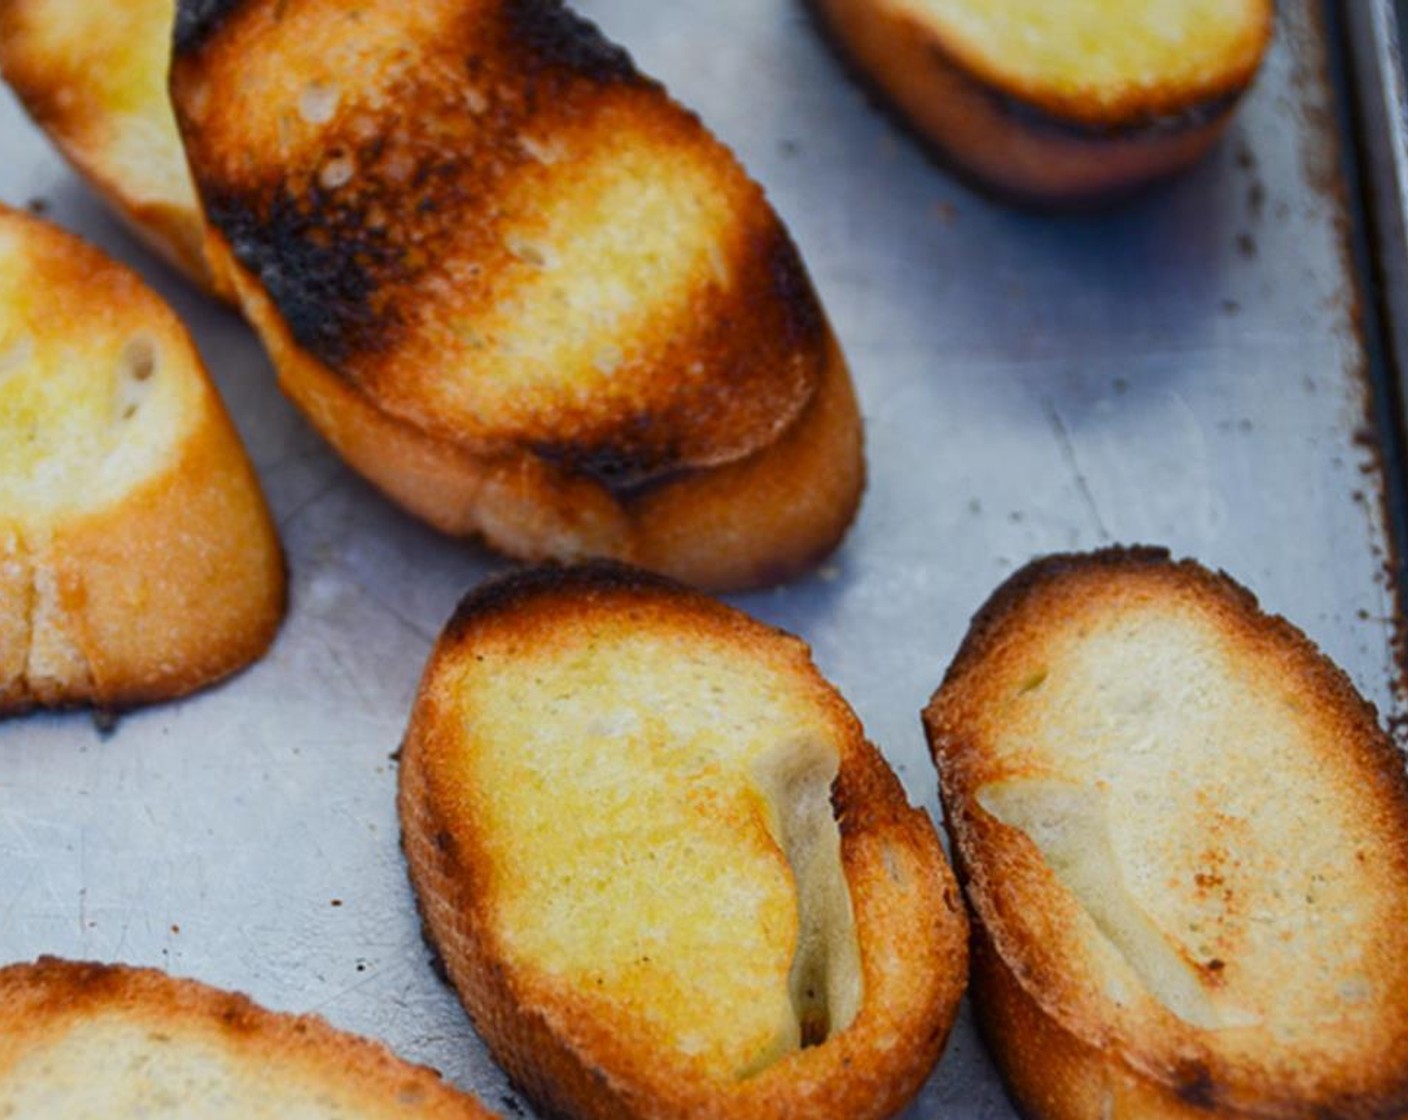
[{"x": 1185, "y": 371}]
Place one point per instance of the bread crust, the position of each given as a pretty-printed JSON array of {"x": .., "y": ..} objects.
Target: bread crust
[
  {"x": 46, "y": 999},
  {"x": 68, "y": 76},
  {"x": 1069, "y": 1049},
  {"x": 1033, "y": 143},
  {"x": 751, "y": 523},
  {"x": 909, "y": 922},
  {"x": 170, "y": 585},
  {"x": 447, "y": 377}
]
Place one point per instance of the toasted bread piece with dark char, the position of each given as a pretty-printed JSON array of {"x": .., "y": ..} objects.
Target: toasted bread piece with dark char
[
  {"x": 93, "y": 76},
  {"x": 1068, "y": 102},
  {"x": 80, "y": 1041},
  {"x": 1184, "y": 839},
  {"x": 474, "y": 233},
  {"x": 137, "y": 557},
  {"x": 666, "y": 872}
]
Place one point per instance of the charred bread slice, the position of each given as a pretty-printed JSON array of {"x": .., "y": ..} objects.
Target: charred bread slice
[
  {"x": 665, "y": 870},
  {"x": 93, "y": 75},
  {"x": 81, "y": 1040},
  {"x": 1184, "y": 839},
  {"x": 137, "y": 558},
  {"x": 1066, "y": 102},
  {"x": 516, "y": 285}
]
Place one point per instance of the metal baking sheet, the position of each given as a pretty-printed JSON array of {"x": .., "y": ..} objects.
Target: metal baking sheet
[{"x": 1190, "y": 370}]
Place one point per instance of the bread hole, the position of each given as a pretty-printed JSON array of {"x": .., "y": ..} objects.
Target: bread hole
[
  {"x": 1069, "y": 826},
  {"x": 824, "y": 982},
  {"x": 337, "y": 172},
  {"x": 317, "y": 102},
  {"x": 137, "y": 367},
  {"x": 1356, "y": 990},
  {"x": 529, "y": 252},
  {"x": 540, "y": 151},
  {"x": 1033, "y": 682},
  {"x": 608, "y": 360}
]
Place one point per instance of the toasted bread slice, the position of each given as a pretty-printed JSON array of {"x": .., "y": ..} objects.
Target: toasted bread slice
[
  {"x": 665, "y": 870},
  {"x": 93, "y": 75},
  {"x": 475, "y": 238},
  {"x": 1059, "y": 103},
  {"x": 81, "y": 1041},
  {"x": 1185, "y": 843},
  {"x": 137, "y": 558}
]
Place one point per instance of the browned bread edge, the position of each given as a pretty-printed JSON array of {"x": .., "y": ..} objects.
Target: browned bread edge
[{"x": 39, "y": 996}]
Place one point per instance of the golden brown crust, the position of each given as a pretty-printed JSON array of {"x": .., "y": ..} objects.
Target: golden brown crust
[
  {"x": 908, "y": 916},
  {"x": 541, "y": 281},
  {"x": 44, "y": 1000},
  {"x": 1067, "y": 1046},
  {"x": 175, "y": 582},
  {"x": 180, "y": 585},
  {"x": 95, "y": 89},
  {"x": 1033, "y": 143},
  {"x": 1054, "y": 1073}
]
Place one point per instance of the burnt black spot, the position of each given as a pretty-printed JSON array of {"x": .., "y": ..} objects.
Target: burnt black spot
[
  {"x": 320, "y": 266},
  {"x": 627, "y": 467},
  {"x": 806, "y": 322},
  {"x": 1195, "y": 1086},
  {"x": 198, "y": 20},
  {"x": 561, "y": 37},
  {"x": 1148, "y": 127}
]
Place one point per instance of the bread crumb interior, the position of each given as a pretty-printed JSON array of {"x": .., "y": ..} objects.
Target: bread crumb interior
[{"x": 657, "y": 812}]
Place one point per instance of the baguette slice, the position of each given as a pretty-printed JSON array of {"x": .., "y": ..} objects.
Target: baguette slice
[
  {"x": 93, "y": 76},
  {"x": 82, "y": 1041},
  {"x": 137, "y": 558},
  {"x": 1185, "y": 845},
  {"x": 620, "y": 804},
  {"x": 518, "y": 287},
  {"x": 1059, "y": 103}
]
